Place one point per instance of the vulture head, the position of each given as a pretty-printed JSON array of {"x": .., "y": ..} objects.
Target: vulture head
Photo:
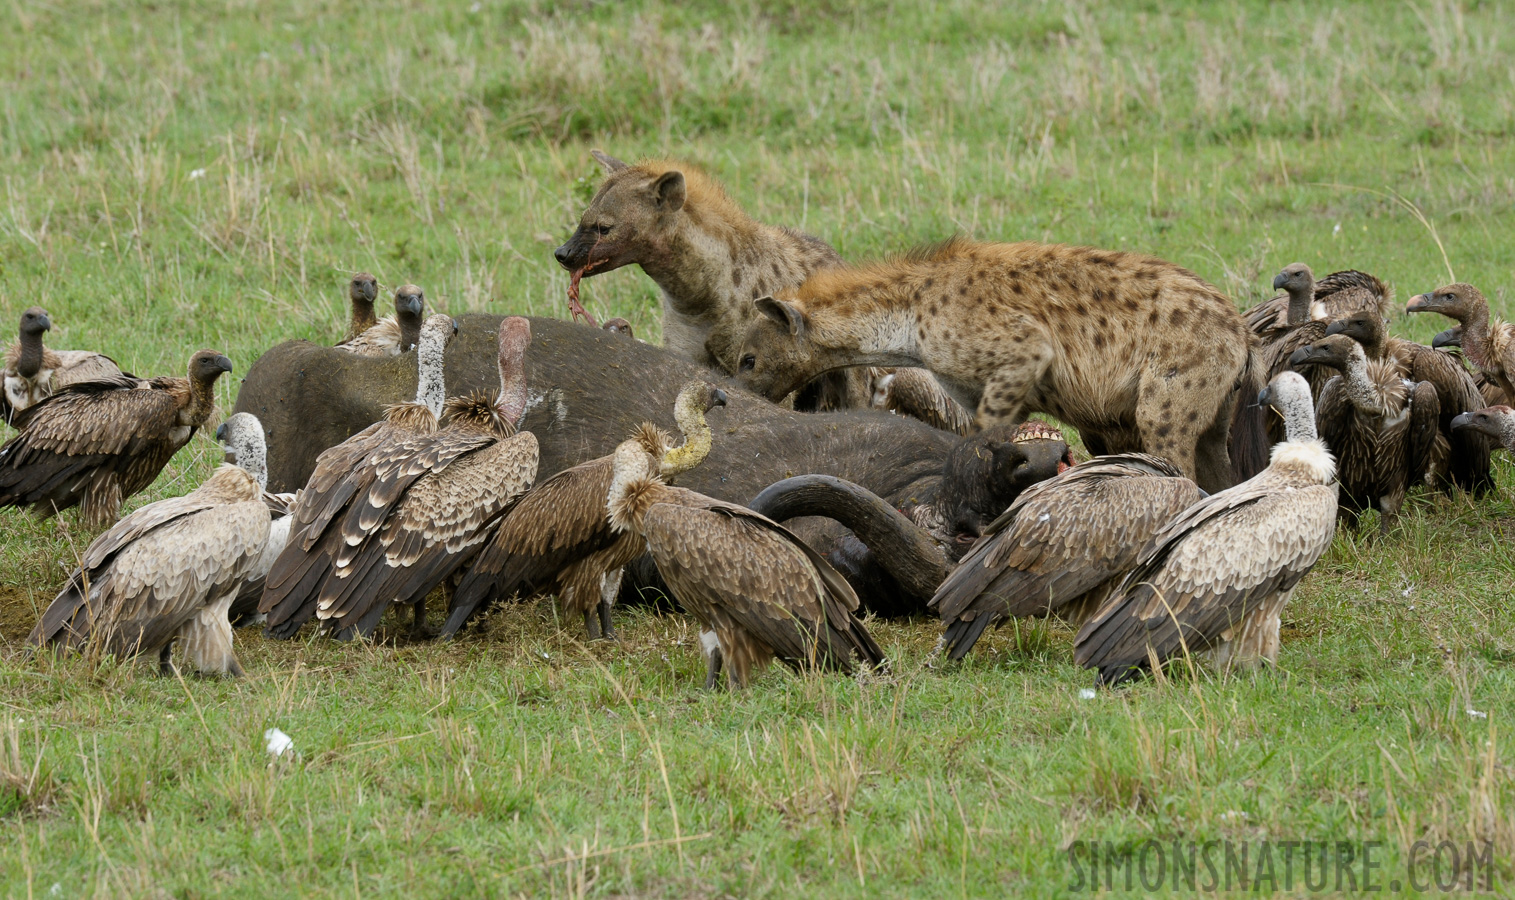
[
  {"x": 363, "y": 290},
  {"x": 1294, "y": 278},
  {"x": 618, "y": 325},
  {"x": 985, "y": 472},
  {"x": 1455, "y": 301},
  {"x": 241, "y": 437},
  {"x": 1288, "y": 394},
  {"x": 1365, "y": 328},
  {"x": 1338, "y": 351},
  {"x": 515, "y": 337},
  {"x": 410, "y": 303},
  {"x": 208, "y": 365},
  {"x": 695, "y": 400},
  {"x": 35, "y": 321},
  {"x": 1497, "y": 422},
  {"x": 1452, "y": 337}
]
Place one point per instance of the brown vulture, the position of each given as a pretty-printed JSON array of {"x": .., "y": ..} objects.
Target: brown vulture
[
  {"x": 1461, "y": 459},
  {"x": 1498, "y": 422},
  {"x": 427, "y": 504},
  {"x": 1488, "y": 343},
  {"x": 557, "y": 539},
  {"x": 341, "y": 473},
  {"x": 99, "y": 442},
  {"x": 1381, "y": 428},
  {"x": 33, "y": 372},
  {"x": 361, "y": 293},
  {"x": 167, "y": 571},
  {"x": 757, "y": 590},
  {"x": 1218, "y": 575},
  {"x": 241, "y": 437},
  {"x": 618, "y": 325},
  {"x": 396, "y": 334},
  {"x": 1061, "y": 546},
  {"x": 1305, "y": 299}
]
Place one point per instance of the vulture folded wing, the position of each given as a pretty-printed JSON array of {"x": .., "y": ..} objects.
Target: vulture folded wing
[
  {"x": 1457, "y": 393},
  {"x": 435, "y": 526},
  {"x": 761, "y": 576},
  {"x": 556, "y": 523},
  {"x": 1424, "y": 429},
  {"x": 917, "y": 393},
  {"x": 75, "y": 366},
  {"x": 1202, "y": 574},
  {"x": 1350, "y": 291}
]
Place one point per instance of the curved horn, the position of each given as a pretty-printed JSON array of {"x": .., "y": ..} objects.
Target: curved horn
[{"x": 904, "y": 549}]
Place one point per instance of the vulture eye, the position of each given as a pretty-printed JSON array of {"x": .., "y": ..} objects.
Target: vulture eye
[{"x": 749, "y": 362}]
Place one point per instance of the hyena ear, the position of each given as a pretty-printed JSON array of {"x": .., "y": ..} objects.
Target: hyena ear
[
  {"x": 610, "y": 163},
  {"x": 786, "y": 315},
  {"x": 668, "y": 191}
]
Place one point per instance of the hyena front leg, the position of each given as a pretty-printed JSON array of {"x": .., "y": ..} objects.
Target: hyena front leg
[{"x": 1007, "y": 387}]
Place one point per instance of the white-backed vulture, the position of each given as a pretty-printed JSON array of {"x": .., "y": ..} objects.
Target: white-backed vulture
[
  {"x": 241, "y": 437},
  {"x": 33, "y": 372},
  {"x": 557, "y": 538},
  {"x": 361, "y": 293},
  {"x": 99, "y": 442},
  {"x": 1217, "y": 577},
  {"x": 1061, "y": 546},
  {"x": 1488, "y": 343},
  {"x": 396, "y": 334},
  {"x": 429, "y": 502},
  {"x": 1338, "y": 294},
  {"x": 917, "y": 393},
  {"x": 341, "y": 473},
  {"x": 1498, "y": 422},
  {"x": 757, "y": 590},
  {"x": 1380, "y": 427},
  {"x": 1461, "y": 459},
  {"x": 167, "y": 571}
]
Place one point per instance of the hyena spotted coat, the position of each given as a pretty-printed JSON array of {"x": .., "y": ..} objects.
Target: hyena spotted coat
[
  {"x": 709, "y": 257},
  {"x": 1139, "y": 354}
]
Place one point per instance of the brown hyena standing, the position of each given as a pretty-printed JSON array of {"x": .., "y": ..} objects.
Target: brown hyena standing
[{"x": 1139, "y": 354}]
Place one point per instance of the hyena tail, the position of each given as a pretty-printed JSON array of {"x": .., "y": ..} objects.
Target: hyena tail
[{"x": 1249, "y": 420}]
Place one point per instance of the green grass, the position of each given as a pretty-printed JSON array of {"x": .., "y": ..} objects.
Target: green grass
[{"x": 178, "y": 175}]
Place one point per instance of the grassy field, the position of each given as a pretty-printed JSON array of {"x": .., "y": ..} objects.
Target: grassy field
[{"x": 179, "y": 175}]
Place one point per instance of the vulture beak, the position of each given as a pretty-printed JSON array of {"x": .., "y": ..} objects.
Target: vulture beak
[
  {"x": 1266, "y": 394},
  {"x": 1279, "y": 281},
  {"x": 1418, "y": 303},
  {"x": 1298, "y": 357},
  {"x": 412, "y": 304},
  {"x": 45, "y": 322},
  {"x": 221, "y": 433},
  {"x": 454, "y": 327},
  {"x": 717, "y": 398},
  {"x": 1448, "y": 338},
  {"x": 1463, "y": 421},
  {"x": 1337, "y": 327},
  {"x": 223, "y": 363}
]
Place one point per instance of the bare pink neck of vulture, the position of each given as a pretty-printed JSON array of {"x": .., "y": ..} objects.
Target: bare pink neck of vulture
[{"x": 515, "y": 337}]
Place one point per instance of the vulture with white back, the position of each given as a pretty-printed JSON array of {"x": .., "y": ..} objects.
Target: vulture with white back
[
  {"x": 557, "y": 538},
  {"x": 34, "y": 372},
  {"x": 1381, "y": 428},
  {"x": 241, "y": 437},
  {"x": 168, "y": 571},
  {"x": 99, "y": 442},
  {"x": 1487, "y": 342},
  {"x": 757, "y": 590},
  {"x": 392, "y": 335},
  {"x": 341, "y": 473},
  {"x": 1061, "y": 546},
  {"x": 428, "y": 503},
  {"x": 1217, "y": 577}
]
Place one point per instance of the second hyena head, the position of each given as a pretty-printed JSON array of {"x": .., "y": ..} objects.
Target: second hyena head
[
  {"x": 778, "y": 352},
  {"x": 629, "y": 220}
]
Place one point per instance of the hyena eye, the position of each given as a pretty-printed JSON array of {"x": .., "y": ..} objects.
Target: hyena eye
[
  {"x": 602, "y": 230},
  {"x": 749, "y": 362}
]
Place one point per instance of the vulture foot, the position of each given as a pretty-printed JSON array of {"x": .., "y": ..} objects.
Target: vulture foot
[
  {"x": 166, "y": 661},
  {"x": 606, "y": 628},
  {"x": 712, "y": 648}
]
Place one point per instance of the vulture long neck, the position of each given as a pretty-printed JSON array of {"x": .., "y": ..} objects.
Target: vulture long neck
[
  {"x": 1475, "y": 335},
  {"x": 1299, "y": 420},
  {"x": 1300, "y": 300},
  {"x": 633, "y": 489},
  {"x": 29, "y": 361},
  {"x": 515, "y": 337},
  {"x": 202, "y": 401},
  {"x": 362, "y": 317},
  {"x": 431, "y": 386},
  {"x": 697, "y": 438},
  {"x": 1362, "y": 393}
]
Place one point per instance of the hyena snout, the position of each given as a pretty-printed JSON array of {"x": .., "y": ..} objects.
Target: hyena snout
[{"x": 574, "y": 254}]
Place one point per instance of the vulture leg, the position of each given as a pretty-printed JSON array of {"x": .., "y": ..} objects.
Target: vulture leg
[
  {"x": 610, "y": 588},
  {"x": 166, "y": 661},
  {"x": 592, "y": 623},
  {"x": 418, "y": 629},
  {"x": 712, "y": 647}
]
